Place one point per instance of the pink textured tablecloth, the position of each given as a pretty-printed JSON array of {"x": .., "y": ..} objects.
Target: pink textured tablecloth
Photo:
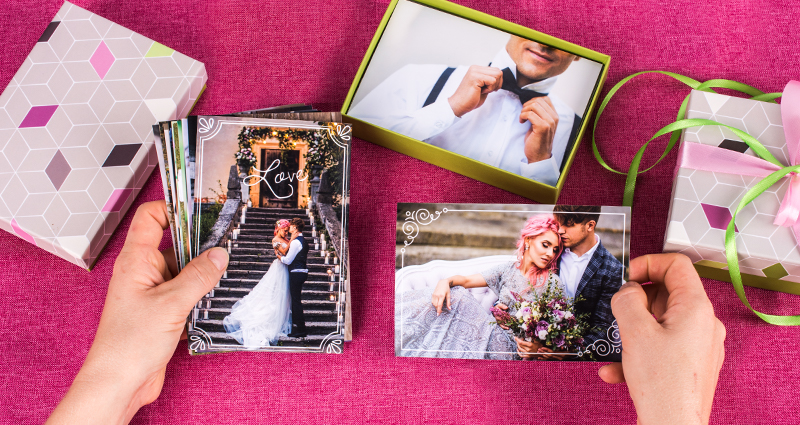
[{"x": 261, "y": 53}]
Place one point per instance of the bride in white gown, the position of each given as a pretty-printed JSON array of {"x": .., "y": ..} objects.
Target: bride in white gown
[{"x": 263, "y": 315}]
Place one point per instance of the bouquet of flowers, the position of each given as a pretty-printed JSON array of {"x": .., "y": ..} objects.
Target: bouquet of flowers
[
  {"x": 549, "y": 318},
  {"x": 246, "y": 157}
]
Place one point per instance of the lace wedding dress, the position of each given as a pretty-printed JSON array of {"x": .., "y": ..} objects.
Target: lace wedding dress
[
  {"x": 466, "y": 330},
  {"x": 263, "y": 315}
]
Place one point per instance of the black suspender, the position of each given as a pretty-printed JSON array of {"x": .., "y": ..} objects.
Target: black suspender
[
  {"x": 437, "y": 88},
  {"x": 573, "y": 135}
]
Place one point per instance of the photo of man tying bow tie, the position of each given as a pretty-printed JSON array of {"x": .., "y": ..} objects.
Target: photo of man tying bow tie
[{"x": 502, "y": 113}]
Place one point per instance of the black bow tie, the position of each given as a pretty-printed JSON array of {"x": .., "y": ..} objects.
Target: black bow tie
[{"x": 510, "y": 84}]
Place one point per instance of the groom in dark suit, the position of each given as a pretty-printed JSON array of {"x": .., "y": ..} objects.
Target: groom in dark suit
[
  {"x": 295, "y": 259},
  {"x": 587, "y": 270}
]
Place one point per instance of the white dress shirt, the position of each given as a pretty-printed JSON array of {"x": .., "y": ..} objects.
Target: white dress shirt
[
  {"x": 572, "y": 268},
  {"x": 294, "y": 248},
  {"x": 491, "y": 133}
]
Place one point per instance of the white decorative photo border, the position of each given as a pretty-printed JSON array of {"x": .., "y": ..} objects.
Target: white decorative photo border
[
  {"x": 414, "y": 218},
  {"x": 209, "y": 127}
]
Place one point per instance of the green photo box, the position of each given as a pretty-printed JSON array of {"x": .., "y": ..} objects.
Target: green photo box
[{"x": 468, "y": 166}]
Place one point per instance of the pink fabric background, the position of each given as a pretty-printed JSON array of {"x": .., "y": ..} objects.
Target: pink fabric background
[{"x": 261, "y": 53}]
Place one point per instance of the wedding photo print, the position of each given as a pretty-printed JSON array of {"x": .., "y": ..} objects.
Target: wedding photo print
[
  {"x": 476, "y": 91},
  {"x": 509, "y": 282},
  {"x": 274, "y": 193}
]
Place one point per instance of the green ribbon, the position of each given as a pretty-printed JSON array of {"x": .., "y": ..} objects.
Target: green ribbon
[
  {"x": 708, "y": 86},
  {"x": 732, "y": 254},
  {"x": 676, "y": 128}
]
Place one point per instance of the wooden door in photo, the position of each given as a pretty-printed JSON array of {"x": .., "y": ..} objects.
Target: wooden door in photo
[{"x": 275, "y": 193}]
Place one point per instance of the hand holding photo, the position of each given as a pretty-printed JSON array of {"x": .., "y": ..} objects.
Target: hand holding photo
[
  {"x": 261, "y": 188},
  {"x": 509, "y": 281}
]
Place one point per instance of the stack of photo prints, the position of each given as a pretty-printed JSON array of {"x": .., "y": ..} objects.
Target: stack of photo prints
[
  {"x": 270, "y": 187},
  {"x": 509, "y": 282}
]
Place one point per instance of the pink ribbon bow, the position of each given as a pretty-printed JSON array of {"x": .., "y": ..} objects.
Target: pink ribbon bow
[{"x": 711, "y": 158}]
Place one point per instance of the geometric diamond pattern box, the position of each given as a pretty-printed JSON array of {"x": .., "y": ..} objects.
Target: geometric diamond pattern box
[
  {"x": 703, "y": 201},
  {"x": 76, "y": 142}
]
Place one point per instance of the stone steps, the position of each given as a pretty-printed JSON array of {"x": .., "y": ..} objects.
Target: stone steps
[
  {"x": 309, "y": 341},
  {"x": 264, "y": 250},
  {"x": 312, "y": 328},
  {"x": 257, "y": 221},
  {"x": 268, "y": 257},
  {"x": 284, "y": 211},
  {"x": 264, "y": 263},
  {"x": 270, "y": 219},
  {"x": 267, "y": 253},
  {"x": 315, "y": 274},
  {"x": 225, "y": 300},
  {"x": 312, "y": 275},
  {"x": 244, "y": 241},
  {"x": 314, "y": 270},
  {"x": 251, "y": 256},
  {"x": 249, "y": 284},
  {"x": 308, "y": 294},
  {"x": 311, "y": 315},
  {"x": 265, "y": 235}
]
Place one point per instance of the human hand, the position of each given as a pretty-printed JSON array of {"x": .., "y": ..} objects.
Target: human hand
[
  {"x": 504, "y": 307},
  {"x": 478, "y": 82},
  {"x": 671, "y": 363},
  {"x": 550, "y": 356},
  {"x": 441, "y": 295},
  {"x": 526, "y": 348},
  {"x": 142, "y": 321},
  {"x": 543, "y": 117}
]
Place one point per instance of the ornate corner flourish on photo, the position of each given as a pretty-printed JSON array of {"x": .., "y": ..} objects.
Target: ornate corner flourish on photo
[
  {"x": 198, "y": 343},
  {"x": 414, "y": 220},
  {"x": 342, "y": 133},
  {"x": 332, "y": 344},
  {"x": 204, "y": 126},
  {"x": 604, "y": 347}
]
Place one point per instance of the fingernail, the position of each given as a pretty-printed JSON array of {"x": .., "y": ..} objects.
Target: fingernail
[{"x": 219, "y": 257}]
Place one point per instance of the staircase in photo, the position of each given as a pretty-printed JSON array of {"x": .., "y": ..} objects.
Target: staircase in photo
[{"x": 250, "y": 258}]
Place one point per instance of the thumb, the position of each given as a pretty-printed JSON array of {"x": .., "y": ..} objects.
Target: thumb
[
  {"x": 629, "y": 306},
  {"x": 199, "y": 276}
]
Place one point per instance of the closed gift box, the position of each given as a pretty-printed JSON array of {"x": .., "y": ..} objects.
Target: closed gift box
[
  {"x": 703, "y": 202},
  {"x": 76, "y": 142}
]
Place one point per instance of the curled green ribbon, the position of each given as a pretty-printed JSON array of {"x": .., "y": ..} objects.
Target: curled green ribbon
[
  {"x": 732, "y": 254},
  {"x": 676, "y": 128},
  {"x": 708, "y": 86}
]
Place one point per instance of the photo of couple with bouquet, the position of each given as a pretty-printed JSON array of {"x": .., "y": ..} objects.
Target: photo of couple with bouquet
[{"x": 549, "y": 300}]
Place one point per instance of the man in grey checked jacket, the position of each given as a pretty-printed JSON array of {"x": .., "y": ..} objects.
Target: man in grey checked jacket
[{"x": 588, "y": 271}]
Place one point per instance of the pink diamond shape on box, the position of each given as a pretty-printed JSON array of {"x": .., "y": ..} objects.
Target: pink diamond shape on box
[
  {"x": 38, "y": 116},
  {"x": 102, "y": 59},
  {"x": 117, "y": 200},
  {"x": 718, "y": 217}
]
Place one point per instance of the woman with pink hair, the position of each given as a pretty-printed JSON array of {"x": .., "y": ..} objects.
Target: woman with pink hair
[
  {"x": 452, "y": 323},
  {"x": 258, "y": 319}
]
